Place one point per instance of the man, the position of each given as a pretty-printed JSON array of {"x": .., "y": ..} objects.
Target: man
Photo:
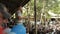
[
  {"x": 19, "y": 28},
  {"x": 3, "y": 16}
]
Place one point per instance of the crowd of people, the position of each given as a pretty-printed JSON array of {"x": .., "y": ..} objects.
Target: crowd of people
[
  {"x": 8, "y": 26},
  {"x": 53, "y": 27}
]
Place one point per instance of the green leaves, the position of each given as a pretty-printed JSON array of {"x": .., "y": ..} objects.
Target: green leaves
[{"x": 53, "y": 5}]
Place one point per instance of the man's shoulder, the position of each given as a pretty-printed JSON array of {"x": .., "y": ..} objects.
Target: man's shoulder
[{"x": 18, "y": 27}]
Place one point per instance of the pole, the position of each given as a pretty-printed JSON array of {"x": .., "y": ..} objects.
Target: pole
[
  {"x": 28, "y": 25},
  {"x": 35, "y": 16}
]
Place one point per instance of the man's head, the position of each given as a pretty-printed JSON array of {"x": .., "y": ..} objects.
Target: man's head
[{"x": 19, "y": 13}]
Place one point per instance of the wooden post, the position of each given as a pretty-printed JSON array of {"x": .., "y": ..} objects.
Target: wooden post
[
  {"x": 35, "y": 16},
  {"x": 28, "y": 17}
]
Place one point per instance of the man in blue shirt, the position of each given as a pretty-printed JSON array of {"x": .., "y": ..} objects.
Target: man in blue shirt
[{"x": 19, "y": 28}]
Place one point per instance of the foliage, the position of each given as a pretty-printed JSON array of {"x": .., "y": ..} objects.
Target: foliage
[{"x": 53, "y": 5}]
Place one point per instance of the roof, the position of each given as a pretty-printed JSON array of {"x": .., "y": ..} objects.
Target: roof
[{"x": 13, "y": 4}]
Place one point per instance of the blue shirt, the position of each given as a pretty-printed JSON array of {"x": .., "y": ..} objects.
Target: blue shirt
[{"x": 19, "y": 29}]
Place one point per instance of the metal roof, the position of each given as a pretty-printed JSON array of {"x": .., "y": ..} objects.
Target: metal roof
[{"x": 13, "y": 4}]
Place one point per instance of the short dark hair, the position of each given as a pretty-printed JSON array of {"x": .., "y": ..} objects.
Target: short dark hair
[{"x": 4, "y": 11}]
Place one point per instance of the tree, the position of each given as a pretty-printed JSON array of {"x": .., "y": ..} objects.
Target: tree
[{"x": 53, "y": 5}]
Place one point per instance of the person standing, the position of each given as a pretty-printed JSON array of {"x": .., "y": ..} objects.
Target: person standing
[{"x": 19, "y": 28}]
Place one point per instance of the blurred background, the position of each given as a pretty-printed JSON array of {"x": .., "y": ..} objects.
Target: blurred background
[{"x": 38, "y": 16}]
